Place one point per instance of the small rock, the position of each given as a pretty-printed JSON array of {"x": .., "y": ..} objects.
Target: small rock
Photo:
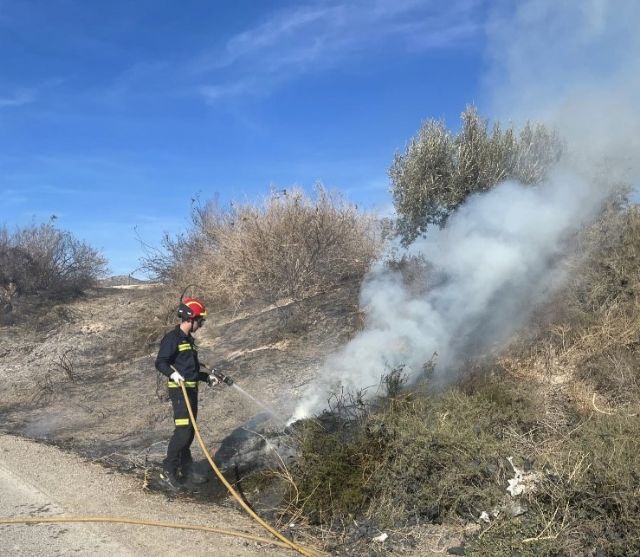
[
  {"x": 457, "y": 550},
  {"x": 381, "y": 538}
]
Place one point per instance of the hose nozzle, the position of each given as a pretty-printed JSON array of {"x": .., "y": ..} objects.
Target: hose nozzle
[{"x": 222, "y": 377}]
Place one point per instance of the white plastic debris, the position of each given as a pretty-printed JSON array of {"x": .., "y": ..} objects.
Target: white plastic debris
[
  {"x": 522, "y": 482},
  {"x": 484, "y": 516},
  {"x": 381, "y": 538}
]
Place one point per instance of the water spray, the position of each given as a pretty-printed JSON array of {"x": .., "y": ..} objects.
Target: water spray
[
  {"x": 260, "y": 404},
  {"x": 231, "y": 383}
]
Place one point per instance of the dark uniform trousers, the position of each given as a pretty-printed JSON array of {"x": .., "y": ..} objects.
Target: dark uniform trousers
[{"x": 179, "y": 452}]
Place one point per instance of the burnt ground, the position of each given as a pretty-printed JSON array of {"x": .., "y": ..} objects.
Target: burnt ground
[
  {"x": 81, "y": 377},
  {"x": 86, "y": 381}
]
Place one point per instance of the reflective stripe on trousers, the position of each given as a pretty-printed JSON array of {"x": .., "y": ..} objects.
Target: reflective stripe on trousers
[{"x": 187, "y": 384}]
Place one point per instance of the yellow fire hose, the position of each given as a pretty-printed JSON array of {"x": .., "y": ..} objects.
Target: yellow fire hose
[
  {"x": 126, "y": 520},
  {"x": 233, "y": 492}
]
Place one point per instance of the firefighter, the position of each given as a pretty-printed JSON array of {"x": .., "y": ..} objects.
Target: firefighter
[{"x": 178, "y": 360}]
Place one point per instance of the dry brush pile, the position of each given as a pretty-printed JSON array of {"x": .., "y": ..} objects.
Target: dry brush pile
[{"x": 293, "y": 245}]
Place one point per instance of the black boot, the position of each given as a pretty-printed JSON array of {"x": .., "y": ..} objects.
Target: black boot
[{"x": 170, "y": 482}]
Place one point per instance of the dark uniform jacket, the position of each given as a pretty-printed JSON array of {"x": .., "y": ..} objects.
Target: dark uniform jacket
[{"x": 180, "y": 351}]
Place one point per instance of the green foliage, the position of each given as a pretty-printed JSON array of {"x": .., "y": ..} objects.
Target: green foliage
[
  {"x": 444, "y": 454},
  {"x": 439, "y": 169},
  {"x": 419, "y": 458},
  {"x": 331, "y": 473}
]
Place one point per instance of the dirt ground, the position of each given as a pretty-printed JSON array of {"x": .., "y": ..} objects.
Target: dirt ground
[
  {"x": 81, "y": 382},
  {"x": 45, "y": 481}
]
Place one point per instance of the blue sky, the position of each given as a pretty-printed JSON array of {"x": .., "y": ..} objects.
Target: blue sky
[{"x": 115, "y": 115}]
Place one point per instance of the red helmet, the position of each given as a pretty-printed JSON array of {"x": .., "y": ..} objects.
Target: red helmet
[{"x": 191, "y": 308}]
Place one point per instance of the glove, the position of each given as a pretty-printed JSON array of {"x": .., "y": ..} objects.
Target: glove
[
  {"x": 176, "y": 377},
  {"x": 212, "y": 380}
]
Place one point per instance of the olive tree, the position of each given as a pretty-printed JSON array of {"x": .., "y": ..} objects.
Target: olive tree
[{"x": 439, "y": 169}]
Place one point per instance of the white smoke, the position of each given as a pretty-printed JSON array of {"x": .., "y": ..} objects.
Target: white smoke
[
  {"x": 575, "y": 65},
  {"x": 502, "y": 252}
]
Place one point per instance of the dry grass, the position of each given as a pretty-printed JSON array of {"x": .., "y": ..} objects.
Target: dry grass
[{"x": 584, "y": 363}]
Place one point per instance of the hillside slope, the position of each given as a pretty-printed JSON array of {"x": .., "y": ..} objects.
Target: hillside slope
[
  {"x": 85, "y": 378},
  {"x": 82, "y": 378}
]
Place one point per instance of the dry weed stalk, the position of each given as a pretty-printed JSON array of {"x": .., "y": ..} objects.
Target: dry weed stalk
[{"x": 65, "y": 365}]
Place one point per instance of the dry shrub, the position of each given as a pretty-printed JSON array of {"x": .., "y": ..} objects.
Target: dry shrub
[
  {"x": 588, "y": 333},
  {"x": 600, "y": 308},
  {"x": 43, "y": 260},
  {"x": 291, "y": 246},
  {"x": 159, "y": 307}
]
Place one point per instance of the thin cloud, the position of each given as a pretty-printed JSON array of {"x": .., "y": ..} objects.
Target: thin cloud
[
  {"x": 19, "y": 98},
  {"x": 314, "y": 38},
  {"x": 276, "y": 29},
  {"x": 135, "y": 80},
  {"x": 11, "y": 196},
  {"x": 305, "y": 39},
  {"x": 455, "y": 35},
  {"x": 214, "y": 93}
]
